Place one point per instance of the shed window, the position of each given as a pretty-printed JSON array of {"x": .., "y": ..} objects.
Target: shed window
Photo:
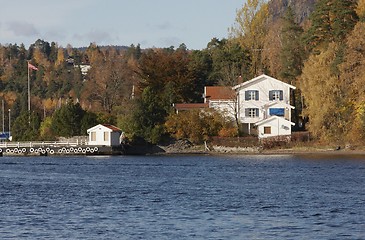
[
  {"x": 267, "y": 130},
  {"x": 106, "y": 136},
  {"x": 93, "y": 136}
]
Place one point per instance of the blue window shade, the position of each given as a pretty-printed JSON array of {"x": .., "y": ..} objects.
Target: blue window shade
[{"x": 277, "y": 111}]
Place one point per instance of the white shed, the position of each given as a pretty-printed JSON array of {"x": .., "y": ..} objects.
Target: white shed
[
  {"x": 104, "y": 135},
  {"x": 274, "y": 126}
]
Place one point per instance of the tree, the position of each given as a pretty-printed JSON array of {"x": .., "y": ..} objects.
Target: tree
[
  {"x": 110, "y": 79},
  {"x": 26, "y": 127},
  {"x": 324, "y": 103},
  {"x": 229, "y": 62},
  {"x": 353, "y": 78},
  {"x": 292, "y": 57},
  {"x": 67, "y": 120},
  {"x": 250, "y": 29},
  {"x": 331, "y": 21},
  {"x": 194, "y": 125},
  {"x": 149, "y": 116},
  {"x": 360, "y": 10}
]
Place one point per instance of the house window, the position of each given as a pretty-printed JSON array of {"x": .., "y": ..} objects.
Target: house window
[
  {"x": 252, "y": 112},
  {"x": 93, "y": 136},
  {"x": 276, "y": 95},
  {"x": 277, "y": 112},
  {"x": 106, "y": 136},
  {"x": 267, "y": 130},
  {"x": 251, "y": 95}
]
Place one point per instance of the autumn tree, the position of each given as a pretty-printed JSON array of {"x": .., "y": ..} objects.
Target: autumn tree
[
  {"x": 110, "y": 79},
  {"x": 250, "y": 29},
  {"x": 324, "y": 103},
  {"x": 360, "y": 10},
  {"x": 353, "y": 78},
  {"x": 195, "y": 125}
]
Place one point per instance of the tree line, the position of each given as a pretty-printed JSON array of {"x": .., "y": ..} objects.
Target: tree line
[{"x": 136, "y": 88}]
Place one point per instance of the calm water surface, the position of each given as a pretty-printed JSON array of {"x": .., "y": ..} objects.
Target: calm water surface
[{"x": 182, "y": 197}]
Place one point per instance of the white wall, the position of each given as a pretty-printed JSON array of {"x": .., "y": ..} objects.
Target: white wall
[
  {"x": 263, "y": 86},
  {"x": 279, "y": 127}
]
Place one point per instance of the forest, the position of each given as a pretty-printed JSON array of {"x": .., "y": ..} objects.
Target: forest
[{"x": 323, "y": 55}]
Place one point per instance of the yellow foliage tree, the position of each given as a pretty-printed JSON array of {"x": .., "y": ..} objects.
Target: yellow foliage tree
[
  {"x": 353, "y": 78},
  {"x": 250, "y": 29},
  {"x": 323, "y": 95},
  {"x": 360, "y": 10}
]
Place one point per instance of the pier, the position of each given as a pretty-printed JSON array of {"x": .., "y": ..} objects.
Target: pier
[{"x": 52, "y": 148}]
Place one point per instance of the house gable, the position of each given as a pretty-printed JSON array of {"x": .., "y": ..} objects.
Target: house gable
[
  {"x": 261, "y": 78},
  {"x": 273, "y": 126}
]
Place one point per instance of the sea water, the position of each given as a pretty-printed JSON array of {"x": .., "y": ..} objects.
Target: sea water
[{"x": 183, "y": 197}]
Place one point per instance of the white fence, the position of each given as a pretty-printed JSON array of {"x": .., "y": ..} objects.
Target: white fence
[{"x": 41, "y": 144}]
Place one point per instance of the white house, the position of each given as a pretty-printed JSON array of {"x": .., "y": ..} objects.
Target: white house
[
  {"x": 262, "y": 105},
  {"x": 260, "y": 99},
  {"x": 104, "y": 135}
]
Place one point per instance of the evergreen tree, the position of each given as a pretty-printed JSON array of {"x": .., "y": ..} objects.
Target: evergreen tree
[
  {"x": 291, "y": 57},
  {"x": 67, "y": 120},
  {"x": 26, "y": 127},
  {"x": 331, "y": 21}
]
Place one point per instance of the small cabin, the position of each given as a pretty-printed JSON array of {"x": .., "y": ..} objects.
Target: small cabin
[{"x": 104, "y": 135}]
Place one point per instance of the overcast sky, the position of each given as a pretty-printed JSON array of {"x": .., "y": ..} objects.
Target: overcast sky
[{"x": 152, "y": 23}]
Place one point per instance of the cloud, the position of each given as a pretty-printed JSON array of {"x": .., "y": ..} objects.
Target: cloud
[
  {"x": 94, "y": 36},
  {"x": 170, "y": 41},
  {"x": 164, "y": 26},
  {"x": 23, "y": 29}
]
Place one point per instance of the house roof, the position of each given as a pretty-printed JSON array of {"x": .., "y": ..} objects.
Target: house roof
[
  {"x": 272, "y": 118},
  {"x": 112, "y": 127},
  {"x": 190, "y": 106},
  {"x": 109, "y": 126},
  {"x": 219, "y": 93},
  {"x": 260, "y": 78}
]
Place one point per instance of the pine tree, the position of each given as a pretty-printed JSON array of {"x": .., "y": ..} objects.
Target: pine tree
[
  {"x": 331, "y": 21},
  {"x": 291, "y": 57}
]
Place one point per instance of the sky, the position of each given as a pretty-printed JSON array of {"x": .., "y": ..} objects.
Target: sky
[{"x": 150, "y": 23}]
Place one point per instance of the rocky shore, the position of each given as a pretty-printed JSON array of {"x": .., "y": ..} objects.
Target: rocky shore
[{"x": 186, "y": 147}]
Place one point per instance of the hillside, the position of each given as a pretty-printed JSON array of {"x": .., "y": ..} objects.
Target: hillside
[{"x": 302, "y": 9}]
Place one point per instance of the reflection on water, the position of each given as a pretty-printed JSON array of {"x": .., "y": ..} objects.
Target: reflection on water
[{"x": 183, "y": 197}]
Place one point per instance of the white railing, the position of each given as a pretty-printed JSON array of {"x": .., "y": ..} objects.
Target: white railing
[{"x": 41, "y": 144}]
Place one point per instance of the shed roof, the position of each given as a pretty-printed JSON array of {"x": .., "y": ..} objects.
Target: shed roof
[
  {"x": 112, "y": 127},
  {"x": 108, "y": 126},
  {"x": 272, "y": 118}
]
